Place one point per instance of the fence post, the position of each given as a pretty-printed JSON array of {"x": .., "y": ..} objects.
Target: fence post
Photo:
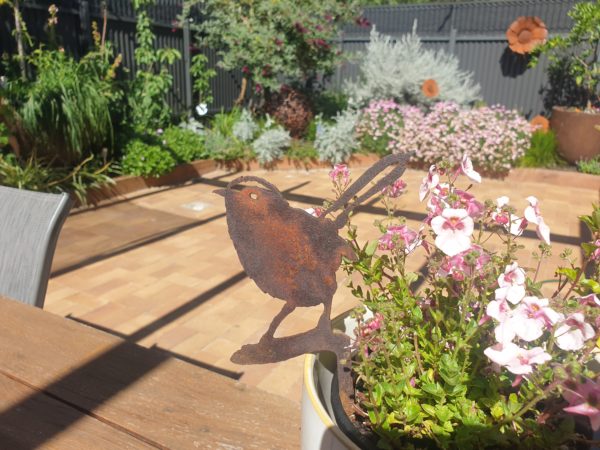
[
  {"x": 187, "y": 64},
  {"x": 452, "y": 38},
  {"x": 84, "y": 26}
]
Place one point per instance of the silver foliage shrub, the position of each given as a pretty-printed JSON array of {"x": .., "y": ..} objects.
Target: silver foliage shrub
[
  {"x": 245, "y": 128},
  {"x": 269, "y": 146},
  {"x": 398, "y": 69},
  {"x": 336, "y": 142}
]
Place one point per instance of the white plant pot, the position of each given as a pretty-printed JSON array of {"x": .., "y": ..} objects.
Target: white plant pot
[{"x": 318, "y": 428}]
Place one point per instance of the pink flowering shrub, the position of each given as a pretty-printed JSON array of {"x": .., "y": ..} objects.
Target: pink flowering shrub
[
  {"x": 493, "y": 137},
  {"x": 474, "y": 351}
]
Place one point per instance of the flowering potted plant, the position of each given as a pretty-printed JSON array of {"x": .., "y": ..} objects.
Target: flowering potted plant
[
  {"x": 576, "y": 56},
  {"x": 477, "y": 352}
]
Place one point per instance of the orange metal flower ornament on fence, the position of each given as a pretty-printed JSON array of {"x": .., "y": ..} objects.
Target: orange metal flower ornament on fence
[
  {"x": 430, "y": 88},
  {"x": 526, "y": 33}
]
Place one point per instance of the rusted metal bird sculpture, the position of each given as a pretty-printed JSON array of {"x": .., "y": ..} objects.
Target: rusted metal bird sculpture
[{"x": 293, "y": 255}]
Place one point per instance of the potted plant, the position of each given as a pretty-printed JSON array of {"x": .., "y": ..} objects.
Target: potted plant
[
  {"x": 475, "y": 351},
  {"x": 576, "y": 57}
]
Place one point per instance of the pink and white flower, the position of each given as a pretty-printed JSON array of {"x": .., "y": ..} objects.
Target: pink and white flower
[
  {"x": 465, "y": 263},
  {"x": 596, "y": 253},
  {"x": 453, "y": 228},
  {"x": 573, "y": 333},
  {"x": 528, "y": 321},
  {"x": 590, "y": 299},
  {"x": 429, "y": 182},
  {"x": 512, "y": 284},
  {"x": 585, "y": 400},
  {"x": 396, "y": 189},
  {"x": 466, "y": 166},
  {"x": 402, "y": 235},
  {"x": 340, "y": 174},
  {"x": 512, "y": 223},
  {"x": 532, "y": 214},
  {"x": 517, "y": 360}
]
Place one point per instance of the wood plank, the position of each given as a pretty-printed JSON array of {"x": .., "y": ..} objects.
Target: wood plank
[
  {"x": 168, "y": 401},
  {"x": 40, "y": 415}
]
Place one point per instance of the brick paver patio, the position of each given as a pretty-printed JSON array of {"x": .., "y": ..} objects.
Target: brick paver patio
[{"x": 157, "y": 267}]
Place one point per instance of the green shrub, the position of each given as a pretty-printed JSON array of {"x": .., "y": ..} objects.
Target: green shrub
[
  {"x": 36, "y": 175},
  {"x": 329, "y": 103},
  {"x": 66, "y": 113},
  {"x": 542, "y": 152},
  {"x": 224, "y": 122},
  {"x": 185, "y": 145},
  {"x": 148, "y": 160},
  {"x": 270, "y": 145},
  {"x": 225, "y": 148},
  {"x": 302, "y": 150},
  {"x": 591, "y": 166}
]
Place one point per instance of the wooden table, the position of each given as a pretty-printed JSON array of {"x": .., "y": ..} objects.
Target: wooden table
[{"x": 64, "y": 385}]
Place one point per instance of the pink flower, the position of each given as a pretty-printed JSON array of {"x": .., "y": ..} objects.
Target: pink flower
[
  {"x": 465, "y": 263},
  {"x": 340, "y": 173},
  {"x": 395, "y": 189},
  {"x": 513, "y": 224},
  {"x": 533, "y": 215},
  {"x": 573, "y": 333},
  {"x": 466, "y": 166},
  {"x": 517, "y": 360},
  {"x": 467, "y": 201},
  {"x": 528, "y": 321},
  {"x": 400, "y": 234},
  {"x": 454, "y": 228},
  {"x": 512, "y": 284},
  {"x": 499, "y": 310},
  {"x": 585, "y": 400},
  {"x": 590, "y": 299},
  {"x": 596, "y": 253},
  {"x": 429, "y": 182}
]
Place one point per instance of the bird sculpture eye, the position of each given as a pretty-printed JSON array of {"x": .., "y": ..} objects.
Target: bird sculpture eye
[{"x": 253, "y": 196}]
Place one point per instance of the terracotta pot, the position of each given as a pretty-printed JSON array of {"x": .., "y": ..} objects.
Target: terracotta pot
[{"x": 576, "y": 133}]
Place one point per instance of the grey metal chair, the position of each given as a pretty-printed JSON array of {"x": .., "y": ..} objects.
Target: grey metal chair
[{"x": 29, "y": 226}]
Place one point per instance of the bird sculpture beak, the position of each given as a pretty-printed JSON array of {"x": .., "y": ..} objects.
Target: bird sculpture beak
[{"x": 220, "y": 192}]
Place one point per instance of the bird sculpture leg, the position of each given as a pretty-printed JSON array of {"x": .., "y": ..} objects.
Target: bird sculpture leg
[{"x": 285, "y": 311}]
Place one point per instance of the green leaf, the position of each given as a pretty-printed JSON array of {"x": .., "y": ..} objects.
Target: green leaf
[
  {"x": 443, "y": 413},
  {"x": 571, "y": 274},
  {"x": 497, "y": 411},
  {"x": 412, "y": 411},
  {"x": 428, "y": 409},
  {"x": 371, "y": 247}
]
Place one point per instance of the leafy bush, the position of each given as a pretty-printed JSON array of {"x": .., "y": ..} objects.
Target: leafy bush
[
  {"x": 336, "y": 142},
  {"x": 35, "y": 175},
  {"x": 224, "y": 148},
  {"x": 185, "y": 145},
  {"x": 543, "y": 151},
  {"x": 591, "y": 166},
  {"x": 328, "y": 104},
  {"x": 224, "y": 122},
  {"x": 149, "y": 108},
  {"x": 270, "y": 145},
  {"x": 494, "y": 137},
  {"x": 290, "y": 108},
  {"x": 66, "y": 113},
  {"x": 245, "y": 128},
  {"x": 268, "y": 40},
  {"x": 145, "y": 159},
  {"x": 397, "y": 70},
  {"x": 302, "y": 150}
]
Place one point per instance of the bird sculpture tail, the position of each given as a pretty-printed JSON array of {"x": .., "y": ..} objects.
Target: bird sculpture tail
[{"x": 399, "y": 160}]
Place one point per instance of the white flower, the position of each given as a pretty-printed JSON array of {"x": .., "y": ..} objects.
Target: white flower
[
  {"x": 429, "y": 182},
  {"x": 454, "y": 228},
  {"x": 201, "y": 109},
  {"x": 574, "y": 332},
  {"x": 467, "y": 168},
  {"x": 532, "y": 214},
  {"x": 512, "y": 284},
  {"x": 517, "y": 360}
]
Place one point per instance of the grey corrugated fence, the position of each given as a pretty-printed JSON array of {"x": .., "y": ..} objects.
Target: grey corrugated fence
[{"x": 474, "y": 32}]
